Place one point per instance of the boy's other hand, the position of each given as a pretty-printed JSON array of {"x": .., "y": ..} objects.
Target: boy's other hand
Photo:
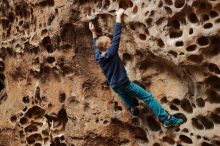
[
  {"x": 120, "y": 12},
  {"x": 91, "y": 27}
]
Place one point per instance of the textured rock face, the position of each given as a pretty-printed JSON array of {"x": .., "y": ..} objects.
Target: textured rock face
[{"x": 53, "y": 93}]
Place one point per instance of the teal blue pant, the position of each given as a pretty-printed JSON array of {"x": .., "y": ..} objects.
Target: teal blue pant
[{"x": 129, "y": 91}]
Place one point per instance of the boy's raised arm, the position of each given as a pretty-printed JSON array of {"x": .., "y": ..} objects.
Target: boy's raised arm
[
  {"x": 94, "y": 36},
  {"x": 117, "y": 32}
]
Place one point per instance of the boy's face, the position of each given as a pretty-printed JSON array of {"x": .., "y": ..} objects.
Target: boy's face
[{"x": 107, "y": 44}]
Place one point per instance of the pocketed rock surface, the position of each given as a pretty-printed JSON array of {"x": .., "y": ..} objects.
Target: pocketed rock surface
[{"x": 53, "y": 93}]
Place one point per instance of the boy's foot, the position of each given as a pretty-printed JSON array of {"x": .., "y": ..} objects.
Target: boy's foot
[
  {"x": 136, "y": 121},
  {"x": 134, "y": 116},
  {"x": 172, "y": 121},
  {"x": 134, "y": 111}
]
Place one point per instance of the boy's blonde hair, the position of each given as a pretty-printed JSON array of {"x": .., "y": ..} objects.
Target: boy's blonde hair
[{"x": 101, "y": 41}]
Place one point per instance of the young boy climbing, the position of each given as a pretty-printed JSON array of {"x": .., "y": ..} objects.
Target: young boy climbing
[{"x": 106, "y": 54}]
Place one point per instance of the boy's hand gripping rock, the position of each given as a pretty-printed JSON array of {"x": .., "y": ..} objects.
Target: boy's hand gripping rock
[
  {"x": 120, "y": 12},
  {"x": 91, "y": 27}
]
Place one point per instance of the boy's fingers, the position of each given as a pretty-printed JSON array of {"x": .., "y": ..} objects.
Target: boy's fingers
[{"x": 90, "y": 24}]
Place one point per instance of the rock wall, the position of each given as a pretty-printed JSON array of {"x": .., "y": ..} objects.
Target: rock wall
[{"x": 52, "y": 92}]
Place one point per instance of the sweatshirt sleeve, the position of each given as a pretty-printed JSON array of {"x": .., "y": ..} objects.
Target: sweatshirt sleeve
[
  {"x": 113, "y": 49},
  {"x": 96, "y": 50}
]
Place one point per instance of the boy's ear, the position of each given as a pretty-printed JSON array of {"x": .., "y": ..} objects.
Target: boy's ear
[{"x": 104, "y": 45}]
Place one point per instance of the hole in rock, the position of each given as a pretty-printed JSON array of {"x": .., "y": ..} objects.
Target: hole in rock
[
  {"x": 168, "y": 9},
  {"x": 62, "y": 97},
  {"x": 34, "y": 137},
  {"x": 202, "y": 41},
  {"x": 50, "y": 59},
  {"x": 197, "y": 124},
  {"x": 186, "y": 105},
  {"x": 179, "y": 3},
  {"x": 185, "y": 139},
  {"x": 160, "y": 43},
  {"x": 5, "y": 23},
  {"x": 213, "y": 14},
  {"x": 2, "y": 66},
  {"x": 202, "y": 5},
  {"x": 208, "y": 124},
  {"x": 214, "y": 68},
  {"x": 46, "y": 42},
  {"x": 139, "y": 54},
  {"x": 176, "y": 101},
  {"x": 213, "y": 97},
  {"x": 215, "y": 118},
  {"x": 31, "y": 128},
  {"x": 149, "y": 21},
  {"x": 195, "y": 58},
  {"x": 26, "y": 99},
  {"x": 36, "y": 112},
  {"x": 23, "y": 121},
  {"x": 146, "y": 13},
  {"x": 50, "y": 19},
  {"x": 13, "y": 118},
  {"x": 37, "y": 144},
  {"x": 191, "y": 48},
  {"x": 68, "y": 32},
  {"x": 205, "y": 138},
  {"x": 44, "y": 3},
  {"x": 152, "y": 13},
  {"x": 173, "y": 53},
  {"x": 190, "y": 31},
  {"x": 168, "y": 2},
  {"x": 2, "y": 84},
  {"x": 208, "y": 25},
  {"x": 160, "y": 21},
  {"x": 206, "y": 144},
  {"x": 164, "y": 100},
  {"x": 105, "y": 122},
  {"x": 142, "y": 36},
  {"x": 106, "y": 4},
  {"x": 169, "y": 140},
  {"x": 200, "y": 102},
  {"x": 216, "y": 142},
  {"x": 126, "y": 57},
  {"x": 205, "y": 17},
  {"x": 176, "y": 24},
  {"x": 215, "y": 41},
  {"x": 193, "y": 18},
  {"x": 213, "y": 80},
  {"x": 125, "y": 4},
  {"x": 24, "y": 109},
  {"x": 185, "y": 130},
  {"x": 153, "y": 124},
  {"x": 160, "y": 4},
  {"x": 135, "y": 9},
  {"x": 134, "y": 25},
  {"x": 156, "y": 144},
  {"x": 176, "y": 34},
  {"x": 179, "y": 43},
  {"x": 62, "y": 116},
  {"x": 173, "y": 107}
]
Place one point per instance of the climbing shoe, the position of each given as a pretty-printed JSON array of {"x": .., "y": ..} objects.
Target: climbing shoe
[
  {"x": 172, "y": 121},
  {"x": 134, "y": 111}
]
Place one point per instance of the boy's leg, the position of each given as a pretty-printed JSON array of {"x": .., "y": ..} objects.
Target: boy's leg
[
  {"x": 167, "y": 120},
  {"x": 130, "y": 102},
  {"x": 136, "y": 91}
]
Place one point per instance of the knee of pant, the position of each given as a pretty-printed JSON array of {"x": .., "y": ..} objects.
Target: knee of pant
[{"x": 148, "y": 96}]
